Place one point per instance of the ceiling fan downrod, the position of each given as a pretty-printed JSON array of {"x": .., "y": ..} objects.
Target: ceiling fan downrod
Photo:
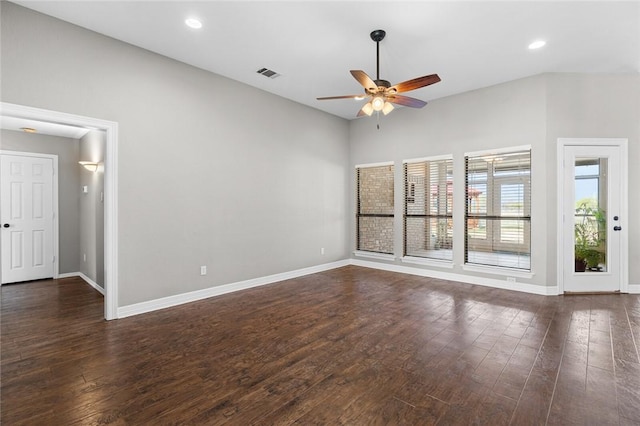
[{"x": 378, "y": 36}]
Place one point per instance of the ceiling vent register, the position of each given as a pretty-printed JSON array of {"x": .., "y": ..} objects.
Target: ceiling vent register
[{"x": 268, "y": 73}]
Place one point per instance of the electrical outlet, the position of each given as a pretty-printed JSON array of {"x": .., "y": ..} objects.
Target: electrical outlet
[
  {"x": 84, "y": 257},
  {"x": 203, "y": 270},
  {"x": 511, "y": 279}
]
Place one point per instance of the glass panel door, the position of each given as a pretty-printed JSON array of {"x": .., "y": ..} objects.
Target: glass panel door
[
  {"x": 590, "y": 218},
  {"x": 591, "y": 241}
]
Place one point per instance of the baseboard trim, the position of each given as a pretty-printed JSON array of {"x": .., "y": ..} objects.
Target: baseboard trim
[
  {"x": 85, "y": 278},
  {"x": 468, "y": 279},
  {"x": 179, "y": 299},
  {"x": 634, "y": 288}
]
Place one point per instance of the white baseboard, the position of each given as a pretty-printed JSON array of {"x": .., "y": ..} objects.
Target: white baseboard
[
  {"x": 179, "y": 299},
  {"x": 85, "y": 278},
  {"x": 469, "y": 279},
  {"x": 68, "y": 275}
]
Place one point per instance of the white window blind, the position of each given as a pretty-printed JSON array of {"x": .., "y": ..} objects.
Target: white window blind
[
  {"x": 428, "y": 209},
  {"x": 498, "y": 210},
  {"x": 375, "y": 209}
]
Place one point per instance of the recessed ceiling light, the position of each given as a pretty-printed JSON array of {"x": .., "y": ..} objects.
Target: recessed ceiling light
[
  {"x": 193, "y": 23},
  {"x": 537, "y": 44},
  {"x": 28, "y": 129}
]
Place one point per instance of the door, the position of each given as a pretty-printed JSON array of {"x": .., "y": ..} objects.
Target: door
[
  {"x": 27, "y": 217},
  {"x": 593, "y": 222}
]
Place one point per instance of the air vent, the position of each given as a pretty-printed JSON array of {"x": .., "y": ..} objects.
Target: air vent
[{"x": 268, "y": 73}]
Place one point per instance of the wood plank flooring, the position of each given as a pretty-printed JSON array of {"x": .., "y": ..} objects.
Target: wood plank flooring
[{"x": 350, "y": 346}]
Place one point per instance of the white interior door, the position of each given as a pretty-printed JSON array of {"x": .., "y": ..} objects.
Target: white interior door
[
  {"x": 593, "y": 222},
  {"x": 27, "y": 217}
]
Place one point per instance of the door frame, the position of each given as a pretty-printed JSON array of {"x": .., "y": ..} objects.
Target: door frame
[
  {"x": 54, "y": 182},
  {"x": 110, "y": 187},
  {"x": 622, "y": 144}
]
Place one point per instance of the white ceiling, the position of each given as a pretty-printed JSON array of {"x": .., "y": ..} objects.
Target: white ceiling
[
  {"x": 314, "y": 44},
  {"x": 42, "y": 128}
]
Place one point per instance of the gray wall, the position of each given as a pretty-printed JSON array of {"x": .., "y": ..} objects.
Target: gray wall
[
  {"x": 532, "y": 111},
  {"x": 67, "y": 151},
  {"x": 92, "y": 148},
  {"x": 596, "y": 106},
  {"x": 211, "y": 171}
]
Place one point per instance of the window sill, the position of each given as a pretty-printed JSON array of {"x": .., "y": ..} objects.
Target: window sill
[
  {"x": 507, "y": 272},
  {"x": 427, "y": 262},
  {"x": 374, "y": 255}
]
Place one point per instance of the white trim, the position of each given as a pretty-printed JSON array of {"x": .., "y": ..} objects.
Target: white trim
[
  {"x": 592, "y": 141},
  {"x": 498, "y": 270},
  {"x": 110, "y": 187},
  {"x": 364, "y": 166},
  {"x": 56, "y": 215},
  {"x": 468, "y": 279},
  {"x": 438, "y": 263},
  {"x": 560, "y": 214},
  {"x": 91, "y": 283},
  {"x": 498, "y": 151},
  {"x": 68, "y": 275},
  {"x": 633, "y": 288},
  {"x": 179, "y": 299},
  {"x": 374, "y": 255},
  {"x": 424, "y": 159},
  {"x": 623, "y": 144},
  {"x": 85, "y": 278}
]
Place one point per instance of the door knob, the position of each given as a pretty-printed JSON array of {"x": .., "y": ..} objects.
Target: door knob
[
  {"x": 6, "y": 225},
  {"x": 617, "y": 228}
]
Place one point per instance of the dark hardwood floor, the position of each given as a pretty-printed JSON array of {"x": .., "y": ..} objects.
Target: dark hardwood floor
[{"x": 348, "y": 346}]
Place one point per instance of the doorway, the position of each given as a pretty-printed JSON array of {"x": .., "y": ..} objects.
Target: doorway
[
  {"x": 110, "y": 187},
  {"x": 592, "y": 182}
]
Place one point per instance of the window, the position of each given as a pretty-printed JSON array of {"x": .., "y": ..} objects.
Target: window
[
  {"x": 428, "y": 209},
  {"x": 498, "y": 210},
  {"x": 590, "y": 219},
  {"x": 375, "y": 208}
]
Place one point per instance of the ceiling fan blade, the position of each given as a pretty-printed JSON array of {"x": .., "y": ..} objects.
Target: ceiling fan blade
[
  {"x": 341, "y": 97},
  {"x": 415, "y": 83},
  {"x": 406, "y": 101},
  {"x": 366, "y": 82}
]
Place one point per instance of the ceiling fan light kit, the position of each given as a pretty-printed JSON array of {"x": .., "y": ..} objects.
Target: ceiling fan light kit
[{"x": 380, "y": 93}]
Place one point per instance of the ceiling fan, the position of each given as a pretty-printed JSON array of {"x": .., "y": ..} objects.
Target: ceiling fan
[{"x": 381, "y": 94}]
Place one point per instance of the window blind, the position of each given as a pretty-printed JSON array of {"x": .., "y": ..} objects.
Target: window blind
[
  {"x": 428, "y": 209},
  {"x": 375, "y": 209},
  {"x": 498, "y": 210}
]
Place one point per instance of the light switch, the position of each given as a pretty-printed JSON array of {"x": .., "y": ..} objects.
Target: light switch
[{"x": 85, "y": 189}]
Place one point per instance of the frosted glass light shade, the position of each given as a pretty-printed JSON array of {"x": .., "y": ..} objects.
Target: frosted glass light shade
[
  {"x": 367, "y": 108},
  {"x": 377, "y": 103},
  {"x": 388, "y": 107},
  {"x": 89, "y": 165}
]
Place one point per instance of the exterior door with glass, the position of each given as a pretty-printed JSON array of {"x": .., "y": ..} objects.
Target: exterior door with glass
[{"x": 593, "y": 220}]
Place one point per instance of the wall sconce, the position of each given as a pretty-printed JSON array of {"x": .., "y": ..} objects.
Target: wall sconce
[{"x": 89, "y": 165}]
